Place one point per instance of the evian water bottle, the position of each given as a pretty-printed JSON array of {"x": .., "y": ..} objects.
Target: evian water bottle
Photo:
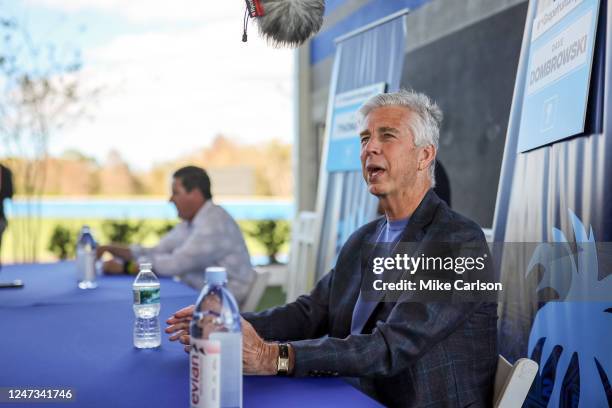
[{"x": 216, "y": 346}]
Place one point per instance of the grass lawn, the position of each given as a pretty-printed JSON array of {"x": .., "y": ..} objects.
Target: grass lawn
[{"x": 273, "y": 296}]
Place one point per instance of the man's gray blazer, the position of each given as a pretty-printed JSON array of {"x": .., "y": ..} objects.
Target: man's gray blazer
[{"x": 409, "y": 354}]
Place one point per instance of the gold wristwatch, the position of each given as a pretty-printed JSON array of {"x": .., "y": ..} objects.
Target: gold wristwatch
[{"x": 282, "y": 364}]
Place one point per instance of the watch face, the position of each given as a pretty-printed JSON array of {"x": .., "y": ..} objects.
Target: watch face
[
  {"x": 283, "y": 359},
  {"x": 283, "y": 365}
]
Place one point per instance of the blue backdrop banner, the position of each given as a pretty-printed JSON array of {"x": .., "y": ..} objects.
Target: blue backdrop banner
[{"x": 558, "y": 193}]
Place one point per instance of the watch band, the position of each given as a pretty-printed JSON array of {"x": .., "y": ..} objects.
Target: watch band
[{"x": 282, "y": 364}]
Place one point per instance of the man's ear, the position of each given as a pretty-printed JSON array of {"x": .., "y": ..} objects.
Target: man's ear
[{"x": 426, "y": 156}]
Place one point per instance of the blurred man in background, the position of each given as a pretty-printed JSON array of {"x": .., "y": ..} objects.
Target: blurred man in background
[{"x": 207, "y": 236}]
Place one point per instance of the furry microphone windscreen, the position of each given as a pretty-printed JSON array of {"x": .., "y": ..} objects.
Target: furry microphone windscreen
[{"x": 290, "y": 22}]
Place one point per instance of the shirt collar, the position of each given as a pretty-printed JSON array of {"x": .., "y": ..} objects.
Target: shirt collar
[
  {"x": 201, "y": 213},
  {"x": 396, "y": 225}
]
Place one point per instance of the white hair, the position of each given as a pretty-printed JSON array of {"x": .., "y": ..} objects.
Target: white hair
[{"x": 426, "y": 124}]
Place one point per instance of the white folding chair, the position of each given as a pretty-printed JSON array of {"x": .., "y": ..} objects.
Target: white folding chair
[
  {"x": 257, "y": 290},
  {"x": 300, "y": 272},
  {"x": 512, "y": 382}
]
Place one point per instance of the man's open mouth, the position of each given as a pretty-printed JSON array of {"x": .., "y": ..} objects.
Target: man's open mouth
[{"x": 374, "y": 170}]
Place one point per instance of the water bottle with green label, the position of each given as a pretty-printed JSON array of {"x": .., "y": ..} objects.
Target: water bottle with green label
[{"x": 146, "y": 308}]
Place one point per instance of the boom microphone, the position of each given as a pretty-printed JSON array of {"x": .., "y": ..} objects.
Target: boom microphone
[{"x": 286, "y": 22}]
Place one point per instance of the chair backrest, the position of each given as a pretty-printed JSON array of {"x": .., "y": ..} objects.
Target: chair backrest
[
  {"x": 257, "y": 290},
  {"x": 301, "y": 273},
  {"x": 512, "y": 382}
]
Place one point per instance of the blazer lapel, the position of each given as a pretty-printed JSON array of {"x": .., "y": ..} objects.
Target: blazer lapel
[
  {"x": 421, "y": 218},
  {"x": 414, "y": 232}
]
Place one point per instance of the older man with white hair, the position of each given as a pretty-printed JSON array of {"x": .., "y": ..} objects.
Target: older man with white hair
[{"x": 403, "y": 353}]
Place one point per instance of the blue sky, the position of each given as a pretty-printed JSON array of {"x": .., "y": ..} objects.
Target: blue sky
[{"x": 174, "y": 75}]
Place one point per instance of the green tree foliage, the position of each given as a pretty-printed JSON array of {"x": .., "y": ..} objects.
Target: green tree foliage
[
  {"x": 62, "y": 242},
  {"x": 125, "y": 232},
  {"x": 272, "y": 235},
  {"x": 164, "y": 229}
]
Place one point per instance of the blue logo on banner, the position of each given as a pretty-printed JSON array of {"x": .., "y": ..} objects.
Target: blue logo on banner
[{"x": 570, "y": 338}]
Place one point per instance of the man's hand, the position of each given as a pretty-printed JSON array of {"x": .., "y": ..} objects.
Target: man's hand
[
  {"x": 179, "y": 326},
  {"x": 119, "y": 251},
  {"x": 258, "y": 356},
  {"x": 101, "y": 250},
  {"x": 112, "y": 267}
]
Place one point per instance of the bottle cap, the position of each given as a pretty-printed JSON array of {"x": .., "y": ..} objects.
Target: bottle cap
[{"x": 216, "y": 275}]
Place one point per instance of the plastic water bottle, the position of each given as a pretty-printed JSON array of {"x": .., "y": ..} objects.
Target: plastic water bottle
[
  {"x": 146, "y": 308},
  {"x": 86, "y": 259},
  {"x": 216, "y": 346}
]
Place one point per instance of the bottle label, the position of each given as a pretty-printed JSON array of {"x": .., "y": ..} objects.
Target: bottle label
[
  {"x": 146, "y": 296},
  {"x": 86, "y": 265},
  {"x": 205, "y": 373},
  {"x": 231, "y": 361}
]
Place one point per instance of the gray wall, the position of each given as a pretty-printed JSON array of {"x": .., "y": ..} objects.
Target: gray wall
[{"x": 471, "y": 73}]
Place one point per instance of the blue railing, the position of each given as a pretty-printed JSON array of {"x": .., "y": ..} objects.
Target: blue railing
[{"x": 143, "y": 208}]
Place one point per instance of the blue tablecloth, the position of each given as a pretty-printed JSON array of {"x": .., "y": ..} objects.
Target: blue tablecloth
[
  {"x": 47, "y": 284},
  {"x": 55, "y": 335}
]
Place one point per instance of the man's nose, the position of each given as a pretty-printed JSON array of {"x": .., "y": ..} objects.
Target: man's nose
[{"x": 372, "y": 146}]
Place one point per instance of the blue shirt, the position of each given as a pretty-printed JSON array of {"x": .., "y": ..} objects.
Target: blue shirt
[
  {"x": 390, "y": 233},
  {"x": 393, "y": 230}
]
